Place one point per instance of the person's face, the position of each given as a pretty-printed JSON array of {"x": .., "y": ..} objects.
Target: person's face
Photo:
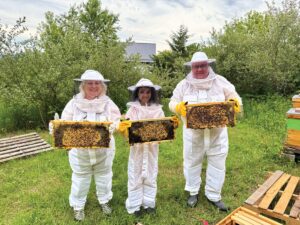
[
  {"x": 92, "y": 89},
  {"x": 144, "y": 95},
  {"x": 200, "y": 70}
]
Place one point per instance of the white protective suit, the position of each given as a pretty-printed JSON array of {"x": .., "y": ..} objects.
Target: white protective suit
[
  {"x": 88, "y": 162},
  {"x": 212, "y": 142},
  {"x": 143, "y": 162}
]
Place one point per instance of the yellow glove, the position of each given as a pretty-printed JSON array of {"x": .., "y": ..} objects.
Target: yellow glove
[
  {"x": 175, "y": 120},
  {"x": 123, "y": 127},
  {"x": 181, "y": 108},
  {"x": 237, "y": 107}
]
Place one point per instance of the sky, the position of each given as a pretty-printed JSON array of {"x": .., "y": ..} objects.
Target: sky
[{"x": 149, "y": 21}]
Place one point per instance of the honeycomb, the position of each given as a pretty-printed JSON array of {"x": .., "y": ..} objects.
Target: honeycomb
[
  {"x": 210, "y": 115},
  {"x": 151, "y": 131},
  {"x": 71, "y": 134}
]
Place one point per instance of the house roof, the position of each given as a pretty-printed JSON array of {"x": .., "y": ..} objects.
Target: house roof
[{"x": 145, "y": 50}]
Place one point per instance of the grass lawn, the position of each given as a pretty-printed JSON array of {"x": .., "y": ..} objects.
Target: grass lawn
[{"x": 35, "y": 190}]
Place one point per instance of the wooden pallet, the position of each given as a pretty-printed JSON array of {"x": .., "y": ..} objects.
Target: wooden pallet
[
  {"x": 244, "y": 216},
  {"x": 22, "y": 145},
  {"x": 278, "y": 197}
]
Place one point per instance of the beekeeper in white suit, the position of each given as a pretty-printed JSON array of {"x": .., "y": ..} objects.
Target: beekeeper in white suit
[
  {"x": 203, "y": 85},
  {"x": 91, "y": 104},
  {"x": 143, "y": 158}
]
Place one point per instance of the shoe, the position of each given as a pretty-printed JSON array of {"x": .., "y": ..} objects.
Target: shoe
[
  {"x": 150, "y": 210},
  {"x": 192, "y": 201},
  {"x": 220, "y": 205},
  {"x": 79, "y": 215},
  {"x": 106, "y": 209},
  {"x": 138, "y": 213}
]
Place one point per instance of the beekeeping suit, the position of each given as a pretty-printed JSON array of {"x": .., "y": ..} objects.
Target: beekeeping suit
[
  {"x": 210, "y": 142},
  {"x": 88, "y": 162},
  {"x": 143, "y": 159}
]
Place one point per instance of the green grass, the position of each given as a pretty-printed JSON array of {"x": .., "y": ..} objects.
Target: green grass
[{"x": 35, "y": 190}]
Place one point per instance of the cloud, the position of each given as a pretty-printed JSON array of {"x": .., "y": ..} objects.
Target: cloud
[{"x": 147, "y": 20}]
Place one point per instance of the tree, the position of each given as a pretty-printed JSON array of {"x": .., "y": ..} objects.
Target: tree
[
  {"x": 259, "y": 53},
  {"x": 83, "y": 38}
]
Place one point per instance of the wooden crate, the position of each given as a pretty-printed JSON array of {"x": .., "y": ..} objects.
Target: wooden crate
[
  {"x": 278, "y": 197},
  {"x": 21, "y": 146},
  {"x": 83, "y": 134},
  {"x": 296, "y": 101},
  {"x": 210, "y": 115},
  {"x": 244, "y": 216},
  {"x": 154, "y": 130}
]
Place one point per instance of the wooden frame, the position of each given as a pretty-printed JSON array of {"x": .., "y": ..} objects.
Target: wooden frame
[
  {"x": 210, "y": 115},
  {"x": 275, "y": 196},
  {"x": 81, "y": 134},
  {"x": 152, "y": 130}
]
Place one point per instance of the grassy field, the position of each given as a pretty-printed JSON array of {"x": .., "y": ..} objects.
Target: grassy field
[{"x": 35, "y": 190}]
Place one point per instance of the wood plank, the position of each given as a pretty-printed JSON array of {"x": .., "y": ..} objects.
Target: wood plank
[
  {"x": 286, "y": 195},
  {"x": 245, "y": 217},
  {"x": 253, "y": 218},
  {"x": 27, "y": 154},
  {"x": 295, "y": 210},
  {"x": 240, "y": 221},
  {"x": 19, "y": 141},
  {"x": 23, "y": 148},
  {"x": 23, "y": 151},
  {"x": 272, "y": 192},
  {"x": 19, "y": 136},
  {"x": 264, "y": 188},
  {"x": 22, "y": 145}
]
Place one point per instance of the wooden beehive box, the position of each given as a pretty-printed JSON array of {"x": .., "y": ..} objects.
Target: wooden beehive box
[
  {"x": 244, "y": 216},
  {"x": 152, "y": 130},
  {"x": 210, "y": 115},
  {"x": 293, "y": 129},
  {"x": 75, "y": 134},
  {"x": 278, "y": 197},
  {"x": 296, "y": 101}
]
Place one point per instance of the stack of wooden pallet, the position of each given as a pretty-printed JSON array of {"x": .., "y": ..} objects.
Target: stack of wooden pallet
[
  {"x": 244, "y": 216},
  {"x": 292, "y": 144},
  {"x": 276, "y": 201},
  {"x": 22, "y": 145}
]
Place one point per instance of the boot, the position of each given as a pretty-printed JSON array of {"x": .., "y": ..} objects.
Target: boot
[
  {"x": 106, "y": 209},
  {"x": 220, "y": 205},
  {"x": 192, "y": 200},
  {"x": 79, "y": 215}
]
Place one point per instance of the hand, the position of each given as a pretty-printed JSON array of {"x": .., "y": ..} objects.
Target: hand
[
  {"x": 237, "y": 107},
  {"x": 181, "y": 108},
  {"x": 123, "y": 127},
  {"x": 175, "y": 120},
  {"x": 51, "y": 127}
]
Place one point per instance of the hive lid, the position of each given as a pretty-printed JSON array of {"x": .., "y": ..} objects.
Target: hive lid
[
  {"x": 296, "y": 98},
  {"x": 293, "y": 113}
]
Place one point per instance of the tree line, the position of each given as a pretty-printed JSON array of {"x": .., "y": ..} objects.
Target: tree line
[{"x": 259, "y": 53}]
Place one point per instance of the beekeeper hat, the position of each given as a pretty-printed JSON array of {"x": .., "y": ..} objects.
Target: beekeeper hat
[
  {"x": 199, "y": 57},
  {"x": 92, "y": 75},
  {"x": 144, "y": 83}
]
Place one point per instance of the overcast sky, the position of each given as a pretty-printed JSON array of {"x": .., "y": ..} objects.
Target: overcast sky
[{"x": 144, "y": 20}]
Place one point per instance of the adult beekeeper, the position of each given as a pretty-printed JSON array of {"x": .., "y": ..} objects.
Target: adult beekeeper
[
  {"x": 91, "y": 104},
  {"x": 199, "y": 86}
]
